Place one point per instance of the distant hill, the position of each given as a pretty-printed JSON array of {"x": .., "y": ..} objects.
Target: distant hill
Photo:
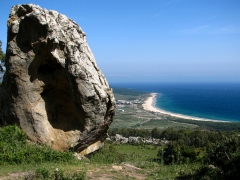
[{"x": 126, "y": 91}]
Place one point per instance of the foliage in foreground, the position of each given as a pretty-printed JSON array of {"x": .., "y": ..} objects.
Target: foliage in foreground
[
  {"x": 219, "y": 159},
  {"x": 2, "y": 54},
  {"x": 225, "y": 156},
  {"x": 46, "y": 174},
  {"x": 2, "y": 57},
  {"x": 14, "y": 149},
  {"x": 190, "y": 154},
  {"x": 218, "y": 153}
]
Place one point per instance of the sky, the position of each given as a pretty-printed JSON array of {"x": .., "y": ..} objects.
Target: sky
[{"x": 154, "y": 40}]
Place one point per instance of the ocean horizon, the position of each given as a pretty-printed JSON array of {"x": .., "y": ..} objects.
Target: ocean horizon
[{"x": 212, "y": 101}]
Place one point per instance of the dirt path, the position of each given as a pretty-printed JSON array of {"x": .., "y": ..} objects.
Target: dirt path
[{"x": 99, "y": 172}]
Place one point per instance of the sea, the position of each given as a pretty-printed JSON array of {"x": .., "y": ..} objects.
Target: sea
[{"x": 212, "y": 101}]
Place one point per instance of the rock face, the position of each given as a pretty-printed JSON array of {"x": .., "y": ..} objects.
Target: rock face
[{"x": 52, "y": 87}]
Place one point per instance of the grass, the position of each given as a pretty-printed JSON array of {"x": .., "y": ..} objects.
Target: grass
[
  {"x": 137, "y": 154},
  {"x": 173, "y": 171},
  {"x": 14, "y": 149},
  {"x": 16, "y": 155},
  {"x": 144, "y": 157},
  {"x": 163, "y": 124},
  {"x": 65, "y": 169},
  {"x": 97, "y": 164}
]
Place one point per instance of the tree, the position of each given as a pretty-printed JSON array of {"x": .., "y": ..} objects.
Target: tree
[
  {"x": 225, "y": 155},
  {"x": 2, "y": 57}
]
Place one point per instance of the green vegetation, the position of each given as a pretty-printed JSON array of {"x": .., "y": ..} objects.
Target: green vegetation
[
  {"x": 217, "y": 126},
  {"x": 210, "y": 147},
  {"x": 2, "y": 56},
  {"x": 190, "y": 154},
  {"x": 135, "y": 117},
  {"x": 127, "y": 132},
  {"x": 214, "y": 155},
  {"x": 188, "y": 150},
  {"x": 44, "y": 173},
  {"x": 225, "y": 155},
  {"x": 14, "y": 149},
  {"x": 128, "y": 94},
  {"x": 107, "y": 155}
]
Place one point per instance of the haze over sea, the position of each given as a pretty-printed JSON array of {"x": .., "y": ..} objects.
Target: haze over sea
[{"x": 215, "y": 101}]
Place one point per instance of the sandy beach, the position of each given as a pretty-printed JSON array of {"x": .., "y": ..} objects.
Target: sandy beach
[{"x": 149, "y": 106}]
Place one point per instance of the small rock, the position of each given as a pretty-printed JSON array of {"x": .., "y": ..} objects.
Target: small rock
[
  {"x": 130, "y": 167},
  {"x": 117, "y": 168}
]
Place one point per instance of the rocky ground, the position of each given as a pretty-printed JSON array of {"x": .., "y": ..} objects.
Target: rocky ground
[{"x": 103, "y": 172}]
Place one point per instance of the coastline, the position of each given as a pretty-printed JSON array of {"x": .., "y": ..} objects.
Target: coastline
[{"x": 148, "y": 105}]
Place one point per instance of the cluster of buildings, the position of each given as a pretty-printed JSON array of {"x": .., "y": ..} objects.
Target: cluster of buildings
[
  {"x": 126, "y": 102},
  {"x": 123, "y": 140}
]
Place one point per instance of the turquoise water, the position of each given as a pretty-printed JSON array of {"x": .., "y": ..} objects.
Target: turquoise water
[{"x": 216, "y": 101}]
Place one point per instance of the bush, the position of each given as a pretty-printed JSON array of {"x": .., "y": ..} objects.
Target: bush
[
  {"x": 46, "y": 174},
  {"x": 15, "y": 150},
  {"x": 175, "y": 153},
  {"x": 225, "y": 156}
]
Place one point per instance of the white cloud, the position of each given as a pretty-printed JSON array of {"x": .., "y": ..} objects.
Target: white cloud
[
  {"x": 226, "y": 30},
  {"x": 207, "y": 29},
  {"x": 195, "y": 30},
  {"x": 118, "y": 75}
]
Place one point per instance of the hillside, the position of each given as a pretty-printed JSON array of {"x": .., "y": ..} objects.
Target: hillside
[{"x": 186, "y": 150}]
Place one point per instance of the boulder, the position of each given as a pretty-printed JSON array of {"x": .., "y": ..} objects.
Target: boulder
[{"x": 53, "y": 88}]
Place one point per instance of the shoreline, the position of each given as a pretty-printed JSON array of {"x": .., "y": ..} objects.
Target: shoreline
[{"x": 148, "y": 105}]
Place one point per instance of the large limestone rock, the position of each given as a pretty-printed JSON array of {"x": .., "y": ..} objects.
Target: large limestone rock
[{"x": 52, "y": 87}]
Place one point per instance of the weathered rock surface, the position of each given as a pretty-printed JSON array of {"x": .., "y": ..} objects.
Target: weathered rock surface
[{"x": 52, "y": 87}]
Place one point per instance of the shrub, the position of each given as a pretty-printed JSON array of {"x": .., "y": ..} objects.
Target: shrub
[
  {"x": 225, "y": 156},
  {"x": 46, "y": 174},
  {"x": 15, "y": 150},
  {"x": 175, "y": 153}
]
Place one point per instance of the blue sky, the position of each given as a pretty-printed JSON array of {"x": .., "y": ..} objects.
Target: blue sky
[{"x": 155, "y": 40}]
